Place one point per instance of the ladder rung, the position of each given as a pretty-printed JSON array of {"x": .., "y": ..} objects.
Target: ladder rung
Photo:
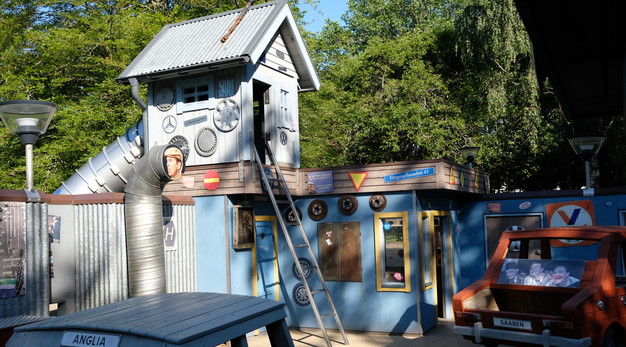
[
  {"x": 327, "y": 315},
  {"x": 285, "y": 198}
]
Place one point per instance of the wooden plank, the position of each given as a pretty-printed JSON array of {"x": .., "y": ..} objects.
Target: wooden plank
[
  {"x": 209, "y": 318},
  {"x": 447, "y": 176}
]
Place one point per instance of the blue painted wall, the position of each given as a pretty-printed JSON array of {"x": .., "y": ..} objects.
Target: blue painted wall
[
  {"x": 210, "y": 244},
  {"x": 360, "y": 306}
]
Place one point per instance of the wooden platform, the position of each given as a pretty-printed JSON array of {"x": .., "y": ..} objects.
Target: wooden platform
[
  {"x": 243, "y": 178},
  {"x": 179, "y": 319}
]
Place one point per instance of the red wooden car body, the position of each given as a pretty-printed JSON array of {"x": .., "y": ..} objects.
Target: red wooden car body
[{"x": 578, "y": 299}]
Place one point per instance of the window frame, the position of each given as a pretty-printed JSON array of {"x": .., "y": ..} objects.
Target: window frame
[
  {"x": 285, "y": 115},
  {"x": 379, "y": 246},
  {"x": 210, "y": 103}
]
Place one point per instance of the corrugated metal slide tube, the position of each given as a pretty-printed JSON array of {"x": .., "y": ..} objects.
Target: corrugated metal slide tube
[
  {"x": 107, "y": 171},
  {"x": 144, "y": 223}
]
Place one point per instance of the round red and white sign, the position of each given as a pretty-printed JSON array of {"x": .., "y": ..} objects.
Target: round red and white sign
[{"x": 211, "y": 180}]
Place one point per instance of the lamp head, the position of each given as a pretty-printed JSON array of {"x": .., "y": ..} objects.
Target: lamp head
[
  {"x": 469, "y": 153},
  {"x": 27, "y": 118},
  {"x": 587, "y": 146}
]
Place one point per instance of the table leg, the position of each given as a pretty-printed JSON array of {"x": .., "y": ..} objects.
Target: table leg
[{"x": 278, "y": 333}]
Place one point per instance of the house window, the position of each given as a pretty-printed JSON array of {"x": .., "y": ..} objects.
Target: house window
[
  {"x": 196, "y": 94},
  {"x": 391, "y": 232},
  {"x": 428, "y": 250},
  {"x": 285, "y": 111},
  {"x": 339, "y": 247}
]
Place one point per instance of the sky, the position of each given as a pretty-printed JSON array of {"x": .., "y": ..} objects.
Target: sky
[{"x": 332, "y": 9}]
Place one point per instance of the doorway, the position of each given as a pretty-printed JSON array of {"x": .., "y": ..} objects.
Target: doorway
[
  {"x": 265, "y": 280},
  {"x": 260, "y": 99},
  {"x": 437, "y": 261}
]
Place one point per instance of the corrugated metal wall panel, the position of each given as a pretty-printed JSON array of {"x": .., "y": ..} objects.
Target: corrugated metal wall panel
[
  {"x": 31, "y": 217},
  {"x": 180, "y": 262},
  {"x": 101, "y": 262},
  {"x": 100, "y": 250}
]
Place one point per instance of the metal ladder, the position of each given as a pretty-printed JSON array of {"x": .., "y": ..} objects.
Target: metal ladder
[{"x": 281, "y": 185}]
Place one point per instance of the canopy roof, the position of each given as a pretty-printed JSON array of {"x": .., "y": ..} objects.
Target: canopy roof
[{"x": 579, "y": 46}]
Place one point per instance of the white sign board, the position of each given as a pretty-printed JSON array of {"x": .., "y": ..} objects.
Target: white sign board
[{"x": 87, "y": 339}]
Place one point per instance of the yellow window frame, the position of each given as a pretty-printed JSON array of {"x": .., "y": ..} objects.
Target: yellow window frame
[
  {"x": 427, "y": 247},
  {"x": 379, "y": 237}
]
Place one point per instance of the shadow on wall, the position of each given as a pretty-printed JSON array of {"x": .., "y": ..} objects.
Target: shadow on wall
[{"x": 407, "y": 321}]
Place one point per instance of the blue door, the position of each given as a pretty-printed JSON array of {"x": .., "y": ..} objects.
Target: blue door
[{"x": 266, "y": 260}]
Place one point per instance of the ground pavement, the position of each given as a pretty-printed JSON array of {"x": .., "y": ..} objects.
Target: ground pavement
[{"x": 440, "y": 336}]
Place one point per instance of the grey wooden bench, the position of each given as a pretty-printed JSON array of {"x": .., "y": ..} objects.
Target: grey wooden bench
[{"x": 179, "y": 319}]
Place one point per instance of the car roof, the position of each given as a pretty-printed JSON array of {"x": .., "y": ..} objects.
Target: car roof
[{"x": 586, "y": 232}]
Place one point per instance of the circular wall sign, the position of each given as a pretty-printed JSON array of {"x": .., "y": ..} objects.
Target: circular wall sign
[
  {"x": 227, "y": 116},
  {"x": 182, "y": 143},
  {"x": 378, "y": 202},
  {"x": 165, "y": 98},
  {"x": 169, "y": 124},
  {"x": 211, "y": 180},
  {"x": 206, "y": 142},
  {"x": 291, "y": 217}
]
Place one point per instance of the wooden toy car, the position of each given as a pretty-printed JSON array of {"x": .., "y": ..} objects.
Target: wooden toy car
[{"x": 551, "y": 287}]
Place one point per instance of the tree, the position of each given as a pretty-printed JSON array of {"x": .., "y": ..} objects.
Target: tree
[
  {"x": 383, "y": 104},
  {"x": 382, "y": 98},
  {"x": 70, "y": 52},
  {"x": 466, "y": 78}
]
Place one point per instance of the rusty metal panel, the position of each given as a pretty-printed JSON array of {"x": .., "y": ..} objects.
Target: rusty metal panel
[
  {"x": 350, "y": 251},
  {"x": 24, "y": 255},
  {"x": 340, "y": 251},
  {"x": 328, "y": 242}
]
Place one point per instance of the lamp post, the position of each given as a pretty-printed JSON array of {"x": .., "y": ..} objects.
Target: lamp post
[
  {"x": 469, "y": 153},
  {"x": 587, "y": 147},
  {"x": 27, "y": 119}
]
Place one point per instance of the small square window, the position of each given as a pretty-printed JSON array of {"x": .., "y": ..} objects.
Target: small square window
[{"x": 196, "y": 94}]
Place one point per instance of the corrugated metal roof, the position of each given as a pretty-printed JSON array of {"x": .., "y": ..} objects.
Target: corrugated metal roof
[
  {"x": 14, "y": 321},
  {"x": 196, "y": 43}
]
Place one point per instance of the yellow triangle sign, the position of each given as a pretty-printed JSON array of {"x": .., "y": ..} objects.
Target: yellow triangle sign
[{"x": 357, "y": 179}]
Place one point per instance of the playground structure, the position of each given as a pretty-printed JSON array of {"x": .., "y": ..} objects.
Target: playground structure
[{"x": 221, "y": 232}]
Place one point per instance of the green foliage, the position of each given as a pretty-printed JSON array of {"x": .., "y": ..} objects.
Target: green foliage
[
  {"x": 402, "y": 80},
  {"x": 70, "y": 52},
  {"x": 419, "y": 79},
  {"x": 383, "y": 104}
]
